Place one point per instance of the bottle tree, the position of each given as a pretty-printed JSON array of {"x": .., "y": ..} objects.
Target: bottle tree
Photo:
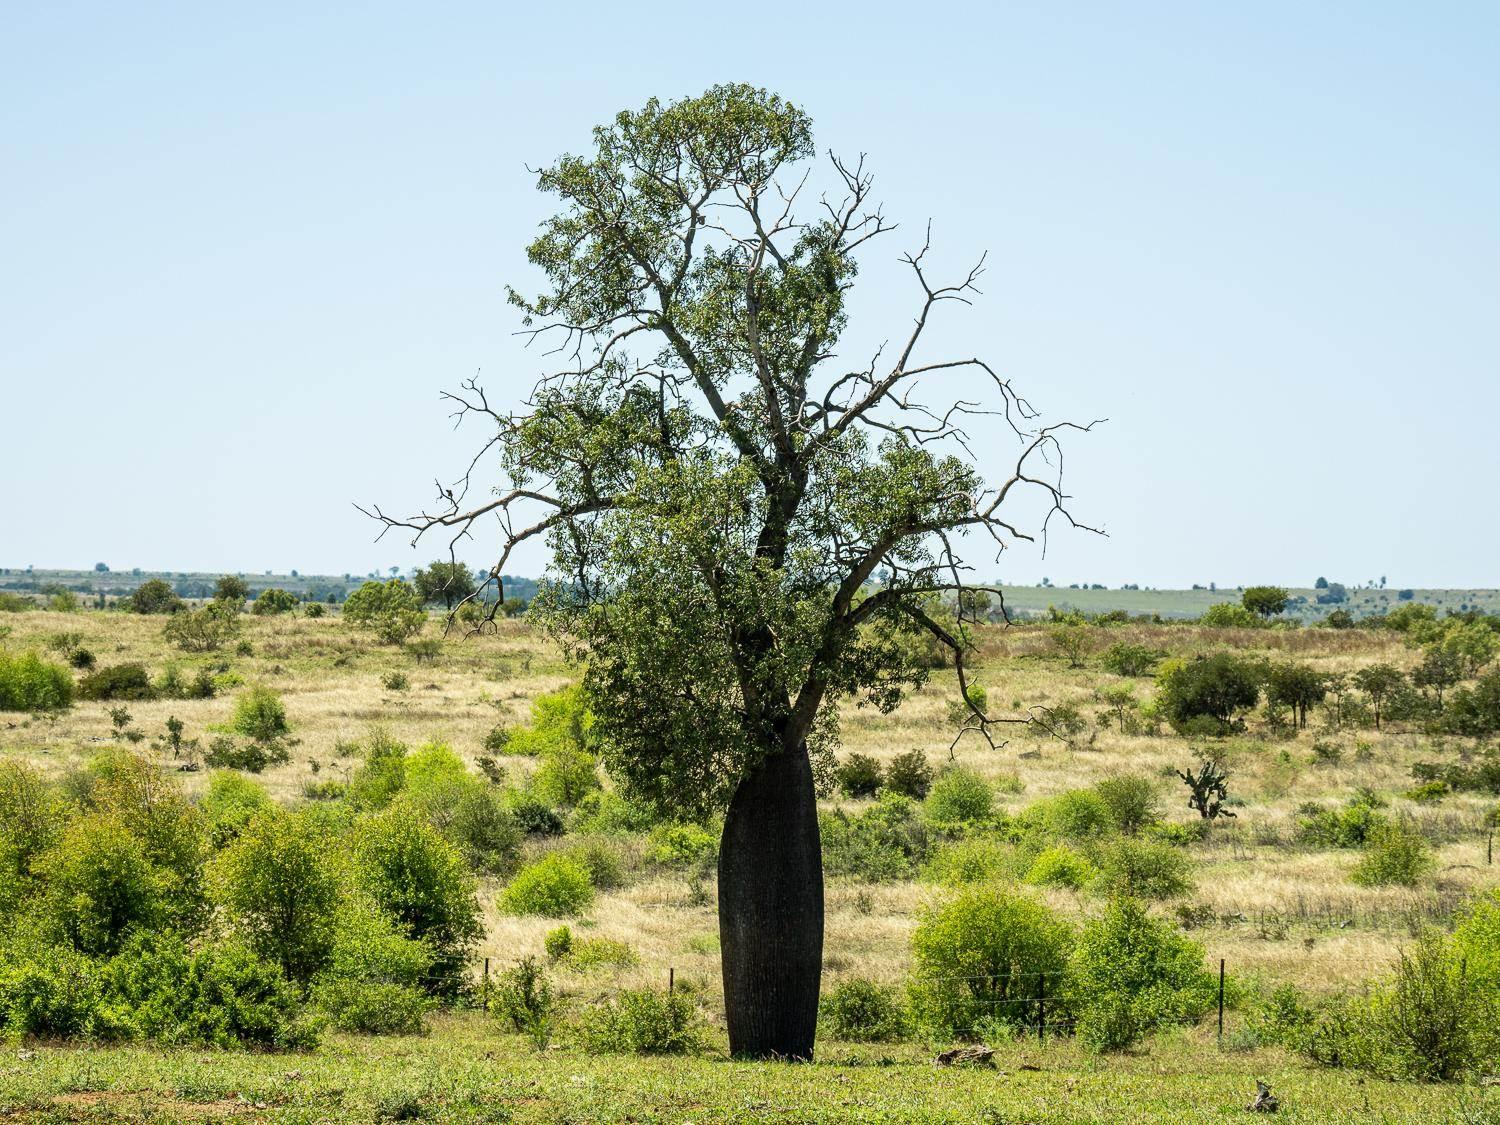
[{"x": 744, "y": 531}]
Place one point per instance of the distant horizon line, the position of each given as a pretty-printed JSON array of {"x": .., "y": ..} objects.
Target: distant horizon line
[{"x": 401, "y": 572}]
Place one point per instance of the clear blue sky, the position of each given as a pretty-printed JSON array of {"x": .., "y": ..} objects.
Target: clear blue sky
[{"x": 242, "y": 249}]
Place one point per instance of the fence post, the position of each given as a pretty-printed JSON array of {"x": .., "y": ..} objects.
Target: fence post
[
  {"x": 671, "y": 980},
  {"x": 1489, "y": 849},
  {"x": 1041, "y": 1008},
  {"x": 1221, "y": 1000},
  {"x": 484, "y": 989}
]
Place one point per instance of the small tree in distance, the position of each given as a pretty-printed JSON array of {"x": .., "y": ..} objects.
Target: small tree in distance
[
  {"x": 1268, "y": 601},
  {"x": 446, "y": 582}
]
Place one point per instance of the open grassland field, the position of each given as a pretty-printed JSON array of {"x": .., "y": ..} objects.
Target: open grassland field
[
  {"x": 465, "y": 1070},
  {"x": 1275, "y": 903}
]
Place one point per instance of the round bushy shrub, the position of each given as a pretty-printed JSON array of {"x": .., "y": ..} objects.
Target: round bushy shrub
[
  {"x": 273, "y": 601},
  {"x": 1061, "y": 867},
  {"x": 1143, "y": 869},
  {"x": 859, "y": 775},
  {"x": 1394, "y": 855},
  {"x": 1130, "y": 973},
  {"x": 260, "y": 715},
  {"x": 277, "y": 889},
  {"x": 99, "y": 884},
  {"x": 959, "y": 796},
  {"x": 231, "y": 803},
  {"x": 1079, "y": 814},
  {"x": 967, "y": 861},
  {"x": 978, "y": 958},
  {"x": 861, "y": 1011},
  {"x": 534, "y": 817},
  {"x": 419, "y": 879},
  {"x": 1133, "y": 802},
  {"x": 122, "y": 681},
  {"x": 29, "y": 683},
  {"x": 554, "y": 886},
  {"x": 376, "y": 977},
  {"x": 393, "y": 610},
  {"x": 1207, "y": 694},
  {"x": 909, "y": 775},
  {"x": 154, "y": 596},
  {"x": 565, "y": 775}
]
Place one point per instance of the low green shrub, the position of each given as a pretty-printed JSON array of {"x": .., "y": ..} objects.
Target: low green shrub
[
  {"x": 558, "y": 943},
  {"x": 978, "y": 957},
  {"x": 230, "y": 803},
  {"x": 372, "y": 1007},
  {"x": 523, "y": 998},
  {"x": 974, "y": 860},
  {"x": 859, "y": 775},
  {"x": 220, "y": 995},
  {"x": 224, "y": 753},
  {"x": 861, "y": 1011},
  {"x": 681, "y": 845},
  {"x": 554, "y": 886},
  {"x": 1143, "y": 869},
  {"x": 1134, "y": 803},
  {"x": 534, "y": 817},
  {"x": 120, "y": 681},
  {"x": 601, "y": 860},
  {"x": 1130, "y": 973},
  {"x": 1394, "y": 855},
  {"x": 909, "y": 775},
  {"x": 887, "y": 841},
  {"x": 959, "y": 796},
  {"x": 29, "y": 683},
  {"x": 260, "y": 715},
  {"x": 642, "y": 1022},
  {"x": 1061, "y": 866},
  {"x": 591, "y": 953}
]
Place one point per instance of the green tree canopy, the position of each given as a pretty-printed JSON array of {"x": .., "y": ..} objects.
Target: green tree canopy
[
  {"x": 446, "y": 582},
  {"x": 1268, "y": 601},
  {"x": 719, "y": 491}
]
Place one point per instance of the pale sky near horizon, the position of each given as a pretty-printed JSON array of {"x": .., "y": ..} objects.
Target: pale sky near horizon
[{"x": 243, "y": 249}]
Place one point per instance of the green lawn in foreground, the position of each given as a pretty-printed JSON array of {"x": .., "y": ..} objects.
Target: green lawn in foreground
[{"x": 467, "y": 1070}]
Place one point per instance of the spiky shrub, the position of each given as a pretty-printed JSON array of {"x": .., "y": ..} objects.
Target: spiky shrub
[
  {"x": 525, "y": 1001},
  {"x": 1208, "y": 790}
]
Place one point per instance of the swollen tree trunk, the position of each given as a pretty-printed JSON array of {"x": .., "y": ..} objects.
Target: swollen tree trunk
[{"x": 771, "y": 910}]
